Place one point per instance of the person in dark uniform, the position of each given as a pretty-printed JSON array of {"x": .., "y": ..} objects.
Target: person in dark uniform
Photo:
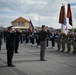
[
  {"x": 21, "y": 38},
  {"x": 0, "y": 39},
  {"x": 10, "y": 41},
  {"x": 43, "y": 36},
  {"x": 17, "y": 38},
  {"x": 52, "y": 35},
  {"x": 5, "y": 31},
  {"x": 38, "y": 40},
  {"x": 32, "y": 36},
  {"x": 27, "y": 36},
  {"x": 36, "y": 36},
  {"x": 47, "y": 41}
]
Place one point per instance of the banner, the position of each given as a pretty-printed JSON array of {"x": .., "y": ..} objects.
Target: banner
[
  {"x": 62, "y": 20},
  {"x": 69, "y": 14}
]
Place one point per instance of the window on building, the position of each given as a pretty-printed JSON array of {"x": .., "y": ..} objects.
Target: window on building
[
  {"x": 20, "y": 24},
  {"x": 14, "y": 24}
]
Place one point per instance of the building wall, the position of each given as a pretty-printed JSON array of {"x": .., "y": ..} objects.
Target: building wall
[
  {"x": 19, "y": 25},
  {"x": 15, "y": 24},
  {"x": 26, "y": 25}
]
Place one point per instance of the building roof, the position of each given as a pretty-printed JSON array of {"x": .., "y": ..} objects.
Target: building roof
[{"x": 20, "y": 19}]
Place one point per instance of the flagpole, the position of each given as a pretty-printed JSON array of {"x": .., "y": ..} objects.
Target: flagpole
[
  {"x": 39, "y": 19},
  {"x": 29, "y": 22},
  {"x": 62, "y": 25},
  {"x": 61, "y": 28},
  {"x": 72, "y": 29}
]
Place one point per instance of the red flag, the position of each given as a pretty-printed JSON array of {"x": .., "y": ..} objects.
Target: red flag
[
  {"x": 62, "y": 20},
  {"x": 69, "y": 14},
  {"x": 62, "y": 15}
]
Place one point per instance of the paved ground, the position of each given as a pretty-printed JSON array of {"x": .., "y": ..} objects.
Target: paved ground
[{"x": 27, "y": 62}]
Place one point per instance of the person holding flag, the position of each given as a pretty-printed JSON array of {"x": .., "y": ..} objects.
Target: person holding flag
[
  {"x": 69, "y": 35},
  {"x": 62, "y": 20},
  {"x": 32, "y": 36},
  {"x": 64, "y": 29}
]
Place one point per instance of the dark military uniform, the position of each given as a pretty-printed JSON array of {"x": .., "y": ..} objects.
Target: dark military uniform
[
  {"x": 32, "y": 36},
  {"x": 10, "y": 45},
  {"x": 37, "y": 38},
  {"x": 52, "y": 38},
  {"x": 47, "y": 41},
  {"x": 0, "y": 39},
  {"x": 17, "y": 38},
  {"x": 27, "y": 37}
]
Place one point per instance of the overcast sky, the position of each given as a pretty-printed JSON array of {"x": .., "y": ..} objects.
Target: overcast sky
[{"x": 39, "y": 11}]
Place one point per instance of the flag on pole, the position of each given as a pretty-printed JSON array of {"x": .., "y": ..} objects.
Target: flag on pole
[
  {"x": 65, "y": 28},
  {"x": 62, "y": 20},
  {"x": 69, "y": 14},
  {"x": 62, "y": 15},
  {"x": 31, "y": 26}
]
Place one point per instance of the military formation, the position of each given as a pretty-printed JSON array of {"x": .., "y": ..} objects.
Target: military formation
[
  {"x": 69, "y": 40},
  {"x": 36, "y": 37},
  {"x": 60, "y": 38}
]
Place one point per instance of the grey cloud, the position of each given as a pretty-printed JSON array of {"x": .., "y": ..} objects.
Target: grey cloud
[
  {"x": 25, "y": 7},
  {"x": 44, "y": 8}
]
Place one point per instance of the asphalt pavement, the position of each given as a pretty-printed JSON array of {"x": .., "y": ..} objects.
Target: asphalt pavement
[{"x": 28, "y": 62}]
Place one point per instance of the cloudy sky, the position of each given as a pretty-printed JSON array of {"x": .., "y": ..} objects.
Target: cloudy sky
[{"x": 39, "y": 11}]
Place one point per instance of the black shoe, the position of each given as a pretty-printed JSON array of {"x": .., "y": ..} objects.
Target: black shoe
[
  {"x": 73, "y": 52},
  {"x": 43, "y": 60},
  {"x": 11, "y": 65},
  {"x": 67, "y": 51},
  {"x": 57, "y": 50},
  {"x": 16, "y": 52},
  {"x": 62, "y": 51}
]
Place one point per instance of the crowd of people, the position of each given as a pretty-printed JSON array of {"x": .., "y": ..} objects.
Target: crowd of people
[
  {"x": 58, "y": 37},
  {"x": 40, "y": 37}
]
